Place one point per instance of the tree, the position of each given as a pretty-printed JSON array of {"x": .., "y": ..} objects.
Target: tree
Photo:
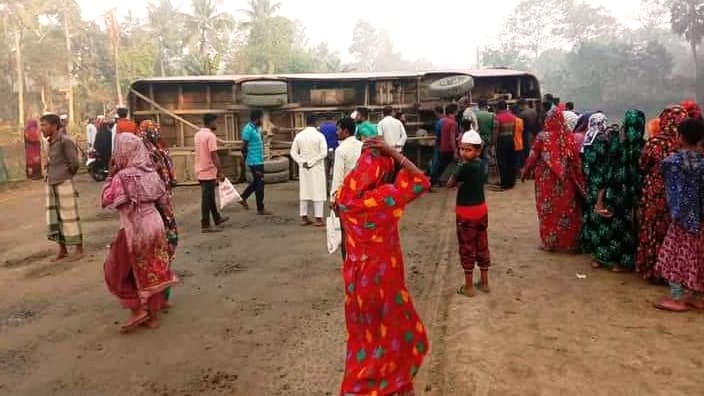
[
  {"x": 654, "y": 14},
  {"x": 580, "y": 22},
  {"x": 258, "y": 11},
  {"x": 687, "y": 18},
  {"x": 373, "y": 51},
  {"x": 18, "y": 18},
  {"x": 113, "y": 28},
  {"x": 164, "y": 24},
  {"x": 211, "y": 28}
]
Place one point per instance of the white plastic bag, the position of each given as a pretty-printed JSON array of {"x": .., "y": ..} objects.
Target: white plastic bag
[
  {"x": 334, "y": 232},
  {"x": 227, "y": 193}
]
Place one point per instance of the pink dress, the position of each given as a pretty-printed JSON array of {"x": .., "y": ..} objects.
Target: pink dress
[{"x": 137, "y": 270}]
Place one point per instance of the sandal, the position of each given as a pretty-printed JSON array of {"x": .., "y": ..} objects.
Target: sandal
[
  {"x": 671, "y": 305},
  {"x": 134, "y": 323},
  {"x": 462, "y": 291},
  {"x": 478, "y": 286}
]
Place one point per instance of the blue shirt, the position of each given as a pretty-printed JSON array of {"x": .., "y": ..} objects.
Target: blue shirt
[
  {"x": 329, "y": 129},
  {"x": 255, "y": 146},
  {"x": 437, "y": 125}
]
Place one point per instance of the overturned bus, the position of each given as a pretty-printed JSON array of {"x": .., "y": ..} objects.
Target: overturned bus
[{"x": 178, "y": 103}]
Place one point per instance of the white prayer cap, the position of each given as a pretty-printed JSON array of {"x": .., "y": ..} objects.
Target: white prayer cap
[
  {"x": 101, "y": 117},
  {"x": 63, "y": 117},
  {"x": 471, "y": 137},
  {"x": 354, "y": 115}
]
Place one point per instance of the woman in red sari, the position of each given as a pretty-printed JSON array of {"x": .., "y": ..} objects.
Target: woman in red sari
[
  {"x": 33, "y": 150},
  {"x": 654, "y": 216},
  {"x": 559, "y": 184},
  {"x": 386, "y": 339},
  {"x": 137, "y": 270}
]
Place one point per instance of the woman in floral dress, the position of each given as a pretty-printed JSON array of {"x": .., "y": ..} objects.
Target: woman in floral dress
[
  {"x": 654, "y": 219},
  {"x": 137, "y": 270},
  {"x": 613, "y": 190},
  {"x": 386, "y": 339},
  {"x": 559, "y": 184}
]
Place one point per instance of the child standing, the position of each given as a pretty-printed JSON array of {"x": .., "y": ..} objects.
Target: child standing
[
  {"x": 681, "y": 258},
  {"x": 472, "y": 214}
]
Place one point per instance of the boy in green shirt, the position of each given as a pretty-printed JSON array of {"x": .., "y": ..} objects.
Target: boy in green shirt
[{"x": 472, "y": 214}]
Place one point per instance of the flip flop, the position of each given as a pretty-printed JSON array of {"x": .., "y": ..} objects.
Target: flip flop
[
  {"x": 75, "y": 257},
  {"x": 478, "y": 286},
  {"x": 320, "y": 224},
  {"x": 127, "y": 327},
  {"x": 666, "y": 305}
]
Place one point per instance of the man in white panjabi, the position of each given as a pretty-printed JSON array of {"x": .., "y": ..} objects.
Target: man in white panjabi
[
  {"x": 392, "y": 130},
  {"x": 309, "y": 150},
  {"x": 346, "y": 154}
]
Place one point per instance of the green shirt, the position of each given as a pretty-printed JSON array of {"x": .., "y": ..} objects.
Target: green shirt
[
  {"x": 486, "y": 122},
  {"x": 470, "y": 179}
]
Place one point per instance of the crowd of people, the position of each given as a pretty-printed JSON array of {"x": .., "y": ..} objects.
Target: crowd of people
[{"x": 634, "y": 204}]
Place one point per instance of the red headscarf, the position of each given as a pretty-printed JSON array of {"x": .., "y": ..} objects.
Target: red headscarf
[
  {"x": 670, "y": 119},
  {"x": 692, "y": 108},
  {"x": 31, "y": 132},
  {"x": 559, "y": 143}
]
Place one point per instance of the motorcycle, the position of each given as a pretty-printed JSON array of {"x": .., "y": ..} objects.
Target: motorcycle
[{"x": 96, "y": 167}]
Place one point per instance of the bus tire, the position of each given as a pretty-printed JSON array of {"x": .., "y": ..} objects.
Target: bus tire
[
  {"x": 275, "y": 100},
  {"x": 276, "y": 165},
  {"x": 264, "y": 88},
  {"x": 452, "y": 86},
  {"x": 270, "y": 178}
]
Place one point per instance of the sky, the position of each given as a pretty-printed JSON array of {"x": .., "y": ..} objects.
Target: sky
[{"x": 447, "y": 37}]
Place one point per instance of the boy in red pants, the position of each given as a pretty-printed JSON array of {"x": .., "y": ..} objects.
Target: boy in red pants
[{"x": 472, "y": 214}]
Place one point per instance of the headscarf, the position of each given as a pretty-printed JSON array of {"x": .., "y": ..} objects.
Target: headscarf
[
  {"x": 31, "y": 132},
  {"x": 583, "y": 122},
  {"x": 670, "y": 119},
  {"x": 149, "y": 131},
  {"x": 632, "y": 146},
  {"x": 598, "y": 125},
  {"x": 571, "y": 119},
  {"x": 684, "y": 188},
  {"x": 692, "y": 108},
  {"x": 130, "y": 152},
  {"x": 559, "y": 143}
]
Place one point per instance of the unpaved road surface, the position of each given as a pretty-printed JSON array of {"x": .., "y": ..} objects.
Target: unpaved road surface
[{"x": 259, "y": 311}]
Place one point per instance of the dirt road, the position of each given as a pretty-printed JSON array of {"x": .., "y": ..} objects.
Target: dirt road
[{"x": 259, "y": 311}]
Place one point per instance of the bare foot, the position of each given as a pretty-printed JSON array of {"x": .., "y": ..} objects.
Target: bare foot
[
  {"x": 59, "y": 257},
  {"x": 305, "y": 221},
  {"x": 618, "y": 269},
  {"x": 668, "y": 304},
  {"x": 319, "y": 223},
  {"x": 596, "y": 264}
]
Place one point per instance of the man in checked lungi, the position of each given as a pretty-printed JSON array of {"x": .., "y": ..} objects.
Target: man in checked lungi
[{"x": 61, "y": 195}]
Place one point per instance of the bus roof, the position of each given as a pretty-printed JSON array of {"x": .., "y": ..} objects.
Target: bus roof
[{"x": 228, "y": 78}]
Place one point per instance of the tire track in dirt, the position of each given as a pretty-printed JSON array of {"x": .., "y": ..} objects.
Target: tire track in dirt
[{"x": 433, "y": 300}]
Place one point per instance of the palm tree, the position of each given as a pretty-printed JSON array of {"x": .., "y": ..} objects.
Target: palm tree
[
  {"x": 209, "y": 26},
  {"x": 258, "y": 11},
  {"x": 165, "y": 23}
]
